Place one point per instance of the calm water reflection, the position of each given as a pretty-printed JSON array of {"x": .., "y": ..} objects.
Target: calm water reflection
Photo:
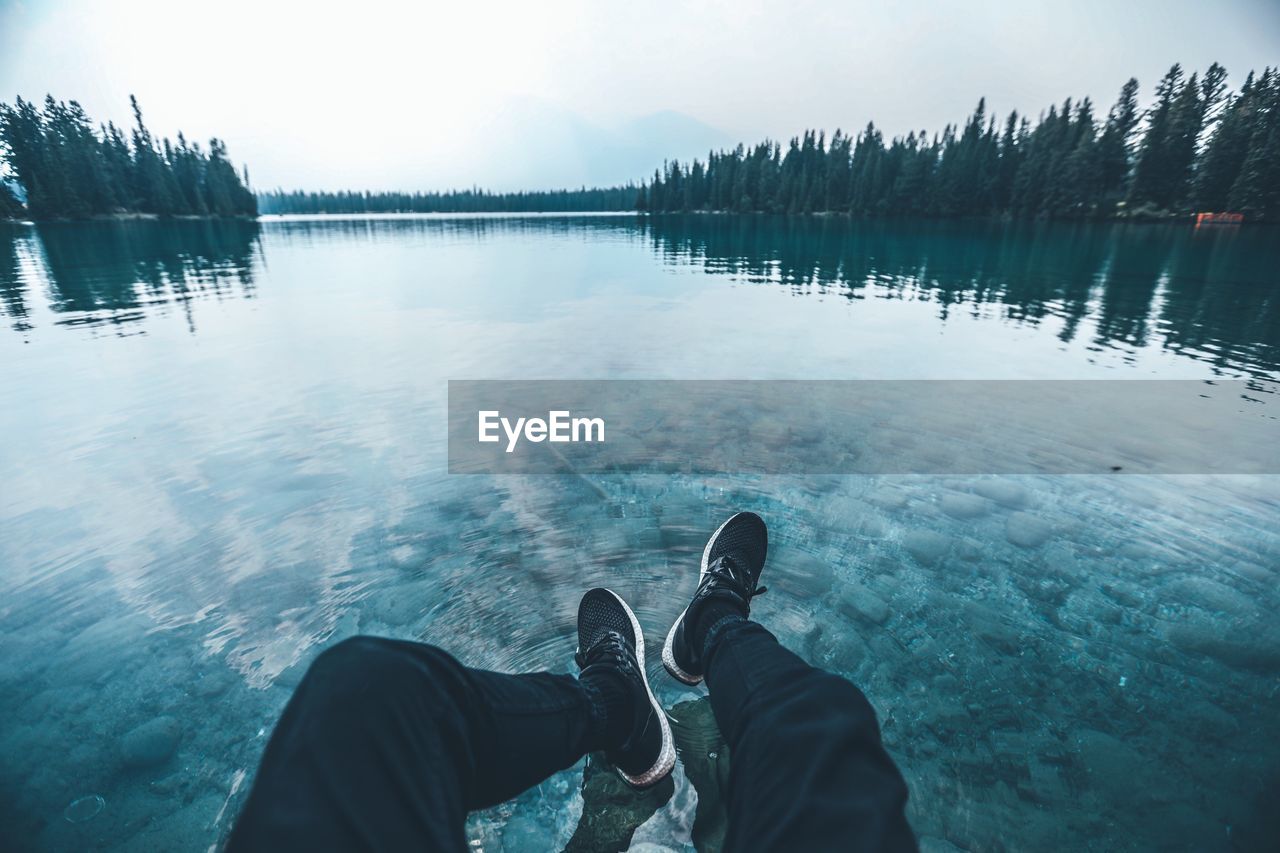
[
  {"x": 1208, "y": 294},
  {"x": 223, "y": 449},
  {"x": 112, "y": 274}
]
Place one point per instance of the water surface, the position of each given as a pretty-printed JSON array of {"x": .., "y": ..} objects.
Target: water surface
[{"x": 223, "y": 449}]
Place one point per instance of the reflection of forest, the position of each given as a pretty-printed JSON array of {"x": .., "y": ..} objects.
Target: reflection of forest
[
  {"x": 13, "y": 300},
  {"x": 111, "y": 272},
  {"x": 1209, "y": 295}
]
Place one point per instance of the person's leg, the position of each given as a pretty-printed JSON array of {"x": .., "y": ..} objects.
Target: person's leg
[
  {"x": 807, "y": 769},
  {"x": 388, "y": 744}
]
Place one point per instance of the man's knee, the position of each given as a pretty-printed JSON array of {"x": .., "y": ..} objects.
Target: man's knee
[
  {"x": 354, "y": 659},
  {"x": 846, "y": 708},
  {"x": 375, "y": 672},
  {"x": 829, "y": 700}
]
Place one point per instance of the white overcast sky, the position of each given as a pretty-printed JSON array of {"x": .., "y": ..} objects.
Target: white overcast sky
[{"x": 426, "y": 95}]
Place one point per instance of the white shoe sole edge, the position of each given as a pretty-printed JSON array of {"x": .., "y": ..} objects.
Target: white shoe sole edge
[
  {"x": 668, "y": 648},
  {"x": 667, "y": 755}
]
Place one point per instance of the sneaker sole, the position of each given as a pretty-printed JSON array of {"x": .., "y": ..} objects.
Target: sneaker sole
[
  {"x": 667, "y": 755},
  {"x": 668, "y": 648}
]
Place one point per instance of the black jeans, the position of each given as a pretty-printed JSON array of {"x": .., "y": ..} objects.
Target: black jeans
[{"x": 386, "y": 745}]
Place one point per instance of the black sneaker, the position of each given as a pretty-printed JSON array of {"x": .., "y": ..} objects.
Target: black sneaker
[
  {"x": 731, "y": 566},
  {"x": 609, "y": 636}
]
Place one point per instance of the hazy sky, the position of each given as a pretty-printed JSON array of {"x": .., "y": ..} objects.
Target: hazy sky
[{"x": 423, "y": 95}]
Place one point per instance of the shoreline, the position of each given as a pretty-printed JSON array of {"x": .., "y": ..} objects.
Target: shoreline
[
  {"x": 1137, "y": 218},
  {"x": 1159, "y": 218},
  {"x": 125, "y": 217}
]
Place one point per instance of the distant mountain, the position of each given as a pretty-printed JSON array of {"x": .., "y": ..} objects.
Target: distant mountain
[
  {"x": 536, "y": 144},
  {"x": 668, "y": 135}
]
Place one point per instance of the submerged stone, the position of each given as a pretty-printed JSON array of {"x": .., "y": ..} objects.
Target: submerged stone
[
  {"x": 992, "y": 626},
  {"x": 704, "y": 755},
  {"x": 1211, "y": 595},
  {"x": 1027, "y": 531},
  {"x": 151, "y": 743},
  {"x": 1250, "y": 647},
  {"x": 888, "y": 498},
  {"x": 871, "y": 527},
  {"x": 212, "y": 684},
  {"x": 861, "y": 604},
  {"x": 524, "y": 834},
  {"x": 964, "y": 506},
  {"x": 926, "y": 546},
  {"x": 611, "y": 813},
  {"x": 969, "y": 551},
  {"x": 801, "y": 574},
  {"x": 1006, "y": 493}
]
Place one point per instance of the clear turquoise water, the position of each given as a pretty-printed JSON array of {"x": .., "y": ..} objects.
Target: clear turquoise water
[{"x": 223, "y": 448}]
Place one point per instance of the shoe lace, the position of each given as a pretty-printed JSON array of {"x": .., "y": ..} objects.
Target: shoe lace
[
  {"x": 609, "y": 647},
  {"x": 729, "y": 572}
]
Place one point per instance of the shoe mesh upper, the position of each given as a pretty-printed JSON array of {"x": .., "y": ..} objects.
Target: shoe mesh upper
[
  {"x": 598, "y": 613},
  {"x": 746, "y": 539},
  {"x": 646, "y": 744}
]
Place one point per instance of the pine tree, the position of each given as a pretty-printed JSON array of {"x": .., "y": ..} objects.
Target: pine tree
[
  {"x": 1115, "y": 145},
  {"x": 68, "y": 170},
  {"x": 1256, "y": 189},
  {"x": 1226, "y": 150},
  {"x": 1156, "y": 176}
]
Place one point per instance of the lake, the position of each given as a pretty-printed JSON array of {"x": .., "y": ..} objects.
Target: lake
[{"x": 223, "y": 449}]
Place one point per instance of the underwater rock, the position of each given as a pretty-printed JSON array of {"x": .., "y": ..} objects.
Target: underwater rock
[
  {"x": 178, "y": 829},
  {"x": 926, "y": 546},
  {"x": 524, "y": 834},
  {"x": 844, "y": 650},
  {"x": 1043, "y": 783},
  {"x": 212, "y": 684},
  {"x": 1126, "y": 595},
  {"x": 1252, "y": 572},
  {"x": 1138, "y": 550},
  {"x": 992, "y": 626},
  {"x": 964, "y": 507},
  {"x": 1214, "y": 722},
  {"x": 97, "y": 653},
  {"x": 801, "y": 574},
  {"x": 1003, "y": 492},
  {"x": 888, "y": 497},
  {"x": 859, "y": 603},
  {"x": 1118, "y": 771},
  {"x": 1027, "y": 531},
  {"x": 151, "y": 743},
  {"x": 1250, "y": 647},
  {"x": 704, "y": 755},
  {"x": 870, "y": 526},
  {"x": 1047, "y": 590},
  {"x": 1210, "y": 595},
  {"x": 611, "y": 813}
]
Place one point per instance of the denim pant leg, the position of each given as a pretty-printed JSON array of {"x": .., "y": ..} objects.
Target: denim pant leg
[
  {"x": 386, "y": 745},
  {"x": 807, "y": 769}
]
